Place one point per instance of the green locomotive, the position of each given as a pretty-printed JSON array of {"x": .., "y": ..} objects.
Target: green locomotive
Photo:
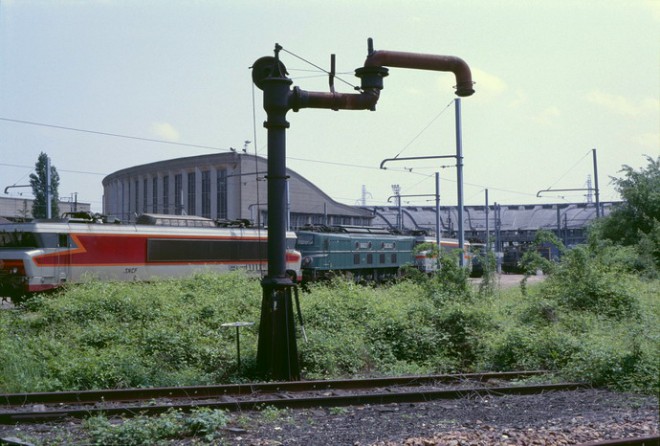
[{"x": 363, "y": 253}]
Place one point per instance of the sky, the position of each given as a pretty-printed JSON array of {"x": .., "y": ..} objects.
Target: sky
[{"x": 101, "y": 85}]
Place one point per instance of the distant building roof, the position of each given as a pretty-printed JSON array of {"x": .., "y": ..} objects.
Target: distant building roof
[
  {"x": 513, "y": 219},
  {"x": 13, "y": 208}
]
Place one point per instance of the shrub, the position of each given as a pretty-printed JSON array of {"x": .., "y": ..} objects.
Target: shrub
[
  {"x": 461, "y": 329},
  {"x": 628, "y": 362},
  {"x": 329, "y": 355},
  {"x": 141, "y": 430},
  {"x": 526, "y": 348},
  {"x": 170, "y": 332},
  {"x": 583, "y": 283}
]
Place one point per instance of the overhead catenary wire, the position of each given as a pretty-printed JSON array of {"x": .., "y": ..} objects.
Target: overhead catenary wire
[
  {"x": 83, "y": 172},
  {"x": 117, "y": 135},
  {"x": 354, "y": 87},
  {"x": 570, "y": 169},
  {"x": 425, "y": 128}
]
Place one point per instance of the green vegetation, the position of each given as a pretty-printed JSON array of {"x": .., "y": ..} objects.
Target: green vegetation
[
  {"x": 39, "y": 184},
  {"x": 592, "y": 319},
  {"x": 636, "y": 223},
  {"x": 596, "y": 318},
  {"x": 202, "y": 424},
  {"x": 101, "y": 335}
]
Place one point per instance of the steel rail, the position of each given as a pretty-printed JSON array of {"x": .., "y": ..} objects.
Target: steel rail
[
  {"x": 93, "y": 396},
  {"x": 633, "y": 441},
  {"x": 287, "y": 401}
]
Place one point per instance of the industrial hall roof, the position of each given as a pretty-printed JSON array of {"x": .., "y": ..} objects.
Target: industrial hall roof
[{"x": 511, "y": 217}]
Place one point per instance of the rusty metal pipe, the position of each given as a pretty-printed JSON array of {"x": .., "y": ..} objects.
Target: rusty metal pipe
[
  {"x": 334, "y": 101},
  {"x": 425, "y": 62}
]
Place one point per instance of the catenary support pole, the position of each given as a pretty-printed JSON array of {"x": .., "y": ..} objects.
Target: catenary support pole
[
  {"x": 438, "y": 228},
  {"x": 487, "y": 224},
  {"x": 596, "y": 184},
  {"x": 459, "y": 179}
]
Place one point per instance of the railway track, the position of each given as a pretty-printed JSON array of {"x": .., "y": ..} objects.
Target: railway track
[
  {"x": 639, "y": 441},
  {"x": 39, "y": 407}
]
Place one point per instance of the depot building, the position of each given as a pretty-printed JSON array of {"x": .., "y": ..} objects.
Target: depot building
[{"x": 225, "y": 186}]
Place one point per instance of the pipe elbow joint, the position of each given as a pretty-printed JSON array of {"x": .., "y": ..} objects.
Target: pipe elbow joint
[
  {"x": 464, "y": 89},
  {"x": 464, "y": 84},
  {"x": 333, "y": 101}
]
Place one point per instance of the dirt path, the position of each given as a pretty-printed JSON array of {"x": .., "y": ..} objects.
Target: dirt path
[{"x": 511, "y": 280}]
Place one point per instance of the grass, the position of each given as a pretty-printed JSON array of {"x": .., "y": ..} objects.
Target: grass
[
  {"x": 101, "y": 335},
  {"x": 585, "y": 322}
]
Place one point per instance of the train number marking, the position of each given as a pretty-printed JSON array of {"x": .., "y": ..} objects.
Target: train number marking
[{"x": 130, "y": 270}]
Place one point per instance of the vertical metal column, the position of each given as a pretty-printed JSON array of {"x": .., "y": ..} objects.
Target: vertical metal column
[
  {"x": 277, "y": 353},
  {"x": 459, "y": 179},
  {"x": 438, "y": 229},
  {"x": 596, "y": 184},
  {"x": 487, "y": 225},
  {"x": 498, "y": 241}
]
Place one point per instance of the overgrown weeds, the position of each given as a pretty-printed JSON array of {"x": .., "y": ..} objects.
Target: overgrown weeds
[
  {"x": 202, "y": 424},
  {"x": 591, "y": 320}
]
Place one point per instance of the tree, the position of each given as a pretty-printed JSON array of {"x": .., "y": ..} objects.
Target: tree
[
  {"x": 637, "y": 221},
  {"x": 38, "y": 182}
]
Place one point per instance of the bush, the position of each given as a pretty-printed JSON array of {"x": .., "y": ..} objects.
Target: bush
[
  {"x": 141, "y": 430},
  {"x": 584, "y": 282},
  {"x": 170, "y": 332},
  {"x": 461, "y": 330},
  {"x": 526, "y": 348},
  {"x": 627, "y": 362},
  {"x": 129, "y": 335}
]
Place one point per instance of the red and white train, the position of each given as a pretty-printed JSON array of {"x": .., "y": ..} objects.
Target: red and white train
[{"x": 43, "y": 255}]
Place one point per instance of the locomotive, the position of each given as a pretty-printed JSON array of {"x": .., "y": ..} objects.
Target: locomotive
[
  {"x": 43, "y": 255},
  {"x": 363, "y": 253}
]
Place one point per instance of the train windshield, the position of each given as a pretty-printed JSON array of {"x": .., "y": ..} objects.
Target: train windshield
[
  {"x": 18, "y": 239},
  {"x": 305, "y": 239},
  {"x": 25, "y": 239}
]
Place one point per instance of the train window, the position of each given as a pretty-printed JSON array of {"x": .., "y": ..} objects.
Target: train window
[
  {"x": 382, "y": 258},
  {"x": 393, "y": 258},
  {"x": 305, "y": 239},
  {"x": 48, "y": 240},
  {"x": 356, "y": 259},
  {"x": 18, "y": 239},
  {"x": 370, "y": 258},
  {"x": 62, "y": 241}
]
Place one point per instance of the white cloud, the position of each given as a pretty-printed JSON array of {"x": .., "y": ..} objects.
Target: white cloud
[
  {"x": 621, "y": 104},
  {"x": 548, "y": 116},
  {"x": 165, "y": 131}
]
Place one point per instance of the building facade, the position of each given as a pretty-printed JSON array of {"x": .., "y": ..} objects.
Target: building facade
[
  {"x": 224, "y": 186},
  {"x": 232, "y": 186}
]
